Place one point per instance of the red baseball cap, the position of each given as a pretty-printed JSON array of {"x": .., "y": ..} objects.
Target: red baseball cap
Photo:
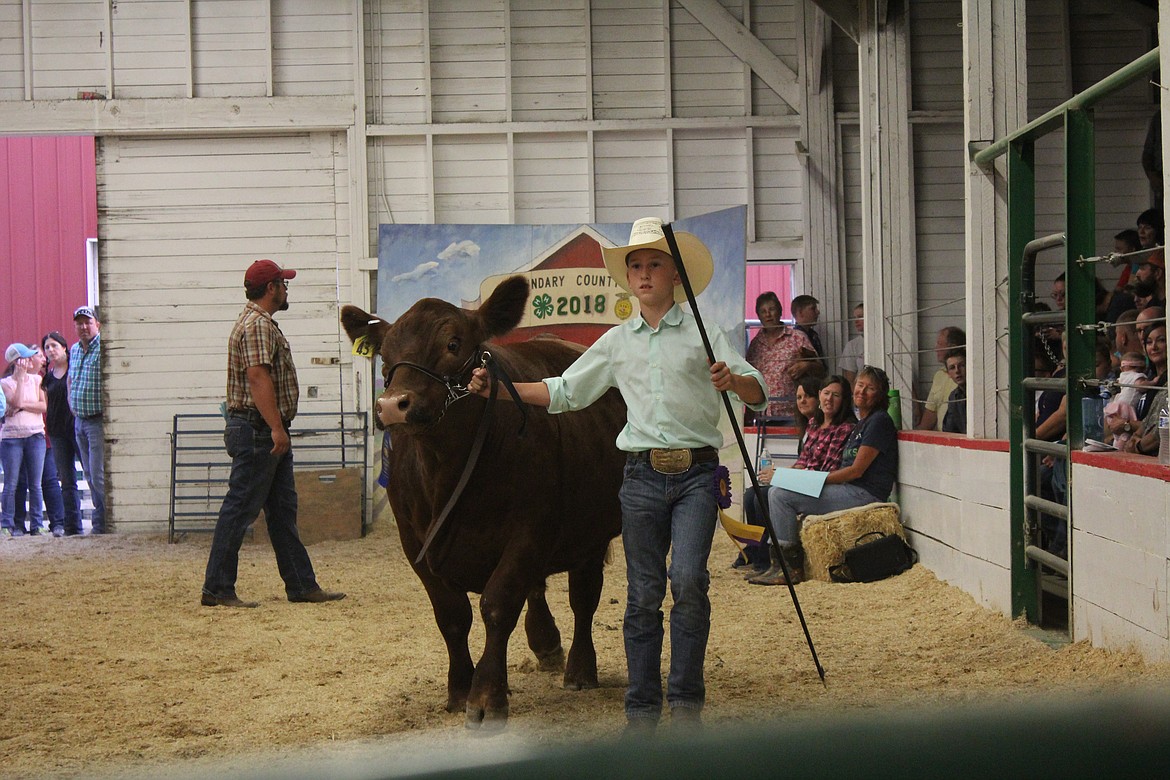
[
  {"x": 1157, "y": 259},
  {"x": 262, "y": 272}
]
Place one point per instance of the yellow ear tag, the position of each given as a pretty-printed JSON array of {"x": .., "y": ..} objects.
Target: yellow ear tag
[{"x": 363, "y": 347}]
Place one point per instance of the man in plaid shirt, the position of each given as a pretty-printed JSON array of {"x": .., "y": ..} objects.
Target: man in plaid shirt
[
  {"x": 85, "y": 400},
  {"x": 262, "y": 394}
]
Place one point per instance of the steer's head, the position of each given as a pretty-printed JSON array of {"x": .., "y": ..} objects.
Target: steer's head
[{"x": 438, "y": 337}]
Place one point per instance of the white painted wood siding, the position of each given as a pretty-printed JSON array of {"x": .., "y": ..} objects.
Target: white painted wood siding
[
  {"x": 471, "y": 179},
  {"x": 550, "y": 59},
  {"x": 710, "y": 171},
  {"x": 633, "y": 176},
  {"x": 552, "y": 181},
  {"x": 70, "y": 47},
  {"x": 180, "y": 221},
  {"x": 850, "y": 140},
  {"x": 629, "y": 59},
  {"x": 398, "y": 58},
  {"x": 469, "y": 60},
  {"x": 938, "y": 195},
  {"x": 400, "y": 183},
  {"x": 11, "y": 51},
  {"x": 936, "y": 55},
  {"x": 706, "y": 78},
  {"x": 230, "y": 47},
  {"x": 312, "y": 47},
  {"x": 151, "y": 48},
  {"x": 774, "y": 23},
  {"x": 779, "y": 205}
]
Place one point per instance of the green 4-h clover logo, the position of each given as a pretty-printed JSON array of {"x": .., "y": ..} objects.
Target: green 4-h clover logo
[{"x": 542, "y": 306}]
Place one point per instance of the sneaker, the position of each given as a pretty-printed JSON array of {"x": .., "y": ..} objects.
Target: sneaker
[
  {"x": 35, "y": 531},
  {"x": 5, "y": 532},
  {"x": 18, "y": 532},
  {"x": 58, "y": 532}
]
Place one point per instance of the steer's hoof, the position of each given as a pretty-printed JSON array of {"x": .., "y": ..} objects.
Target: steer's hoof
[
  {"x": 552, "y": 661},
  {"x": 486, "y": 721},
  {"x": 581, "y": 685}
]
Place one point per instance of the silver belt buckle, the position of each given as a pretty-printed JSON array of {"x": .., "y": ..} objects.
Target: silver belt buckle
[{"x": 670, "y": 461}]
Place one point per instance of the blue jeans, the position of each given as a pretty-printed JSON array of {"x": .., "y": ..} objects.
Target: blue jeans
[
  {"x": 661, "y": 514},
  {"x": 91, "y": 443},
  {"x": 50, "y": 489},
  {"x": 785, "y": 506},
  {"x": 22, "y": 456},
  {"x": 258, "y": 480},
  {"x": 64, "y": 452}
]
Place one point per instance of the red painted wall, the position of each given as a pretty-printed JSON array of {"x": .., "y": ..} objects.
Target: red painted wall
[{"x": 48, "y": 208}]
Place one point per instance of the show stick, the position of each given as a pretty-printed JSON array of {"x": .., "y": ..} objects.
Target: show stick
[{"x": 769, "y": 537}]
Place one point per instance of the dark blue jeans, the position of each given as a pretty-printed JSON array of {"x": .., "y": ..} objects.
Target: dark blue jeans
[
  {"x": 258, "y": 480},
  {"x": 661, "y": 514},
  {"x": 91, "y": 451},
  {"x": 64, "y": 451},
  {"x": 50, "y": 489},
  {"x": 22, "y": 457}
]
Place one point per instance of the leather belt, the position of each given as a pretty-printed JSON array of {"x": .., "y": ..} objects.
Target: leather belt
[
  {"x": 671, "y": 462},
  {"x": 254, "y": 418}
]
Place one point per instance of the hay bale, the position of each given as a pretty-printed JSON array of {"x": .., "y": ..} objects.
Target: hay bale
[{"x": 826, "y": 537}]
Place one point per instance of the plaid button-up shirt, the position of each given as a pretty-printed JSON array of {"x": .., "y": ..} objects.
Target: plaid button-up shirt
[
  {"x": 85, "y": 378},
  {"x": 823, "y": 448},
  {"x": 256, "y": 340}
]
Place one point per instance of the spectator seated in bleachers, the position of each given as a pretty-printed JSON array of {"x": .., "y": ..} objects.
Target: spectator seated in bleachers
[
  {"x": 1150, "y": 404},
  {"x": 755, "y": 558},
  {"x": 942, "y": 385},
  {"x": 1120, "y": 409},
  {"x": 955, "y": 419}
]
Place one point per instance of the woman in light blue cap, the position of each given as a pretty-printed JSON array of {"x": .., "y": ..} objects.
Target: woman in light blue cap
[{"x": 22, "y": 441}]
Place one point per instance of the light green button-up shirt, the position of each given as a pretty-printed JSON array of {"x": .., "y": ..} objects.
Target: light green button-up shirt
[{"x": 663, "y": 375}]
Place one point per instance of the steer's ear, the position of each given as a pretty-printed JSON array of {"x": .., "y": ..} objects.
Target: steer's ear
[
  {"x": 358, "y": 324},
  {"x": 504, "y": 309}
]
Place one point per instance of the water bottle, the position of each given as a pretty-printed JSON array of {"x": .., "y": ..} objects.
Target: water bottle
[
  {"x": 1164, "y": 436},
  {"x": 765, "y": 462},
  {"x": 895, "y": 410}
]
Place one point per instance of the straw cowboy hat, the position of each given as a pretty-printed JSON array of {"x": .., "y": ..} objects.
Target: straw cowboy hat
[{"x": 647, "y": 233}]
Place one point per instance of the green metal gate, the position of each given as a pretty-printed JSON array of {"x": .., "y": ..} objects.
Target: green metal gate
[{"x": 1034, "y": 570}]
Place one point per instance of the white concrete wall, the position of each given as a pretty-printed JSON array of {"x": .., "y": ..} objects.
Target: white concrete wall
[
  {"x": 1121, "y": 559},
  {"x": 954, "y": 502},
  {"x": 954, "y": 497}
]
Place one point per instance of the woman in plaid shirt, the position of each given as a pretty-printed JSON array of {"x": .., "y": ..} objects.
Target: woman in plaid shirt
[{"x": 830, "y": 427}]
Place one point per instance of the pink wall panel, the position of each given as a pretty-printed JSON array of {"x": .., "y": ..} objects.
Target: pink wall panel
[{"x": 48, "y": 209}]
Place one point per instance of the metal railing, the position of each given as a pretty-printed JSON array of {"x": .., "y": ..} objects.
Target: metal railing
[
  {"x": 1075, "y": 118},
  {"x": 200, "y": 466}
]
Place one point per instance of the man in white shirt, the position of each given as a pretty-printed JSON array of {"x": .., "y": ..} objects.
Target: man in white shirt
[{"x": 853, "y": 356}]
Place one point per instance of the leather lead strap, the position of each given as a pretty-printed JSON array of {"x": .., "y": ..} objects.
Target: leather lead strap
[{"x": 498, "y": 375}]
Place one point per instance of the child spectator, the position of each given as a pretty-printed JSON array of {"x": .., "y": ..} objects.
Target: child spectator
[{"x": 955, "y": 420}]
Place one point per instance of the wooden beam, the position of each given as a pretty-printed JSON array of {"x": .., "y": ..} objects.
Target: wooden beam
[
  {"x": 842, "y": 12},
  {"x": 176, "y": 116},
  {"x": 739, "y": 39},
  {"x": 580, "y": 126}
]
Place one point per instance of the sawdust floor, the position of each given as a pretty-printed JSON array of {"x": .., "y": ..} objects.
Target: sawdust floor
[{"x": 108, "y": 663}]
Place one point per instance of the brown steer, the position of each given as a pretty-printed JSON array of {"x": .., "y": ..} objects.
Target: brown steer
[{"x": 536, "y": 504}]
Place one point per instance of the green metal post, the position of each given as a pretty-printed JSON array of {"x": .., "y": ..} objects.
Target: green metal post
[
  {"x": 1080, "y": 280},
  {"x": 1021, "y": 180}
]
